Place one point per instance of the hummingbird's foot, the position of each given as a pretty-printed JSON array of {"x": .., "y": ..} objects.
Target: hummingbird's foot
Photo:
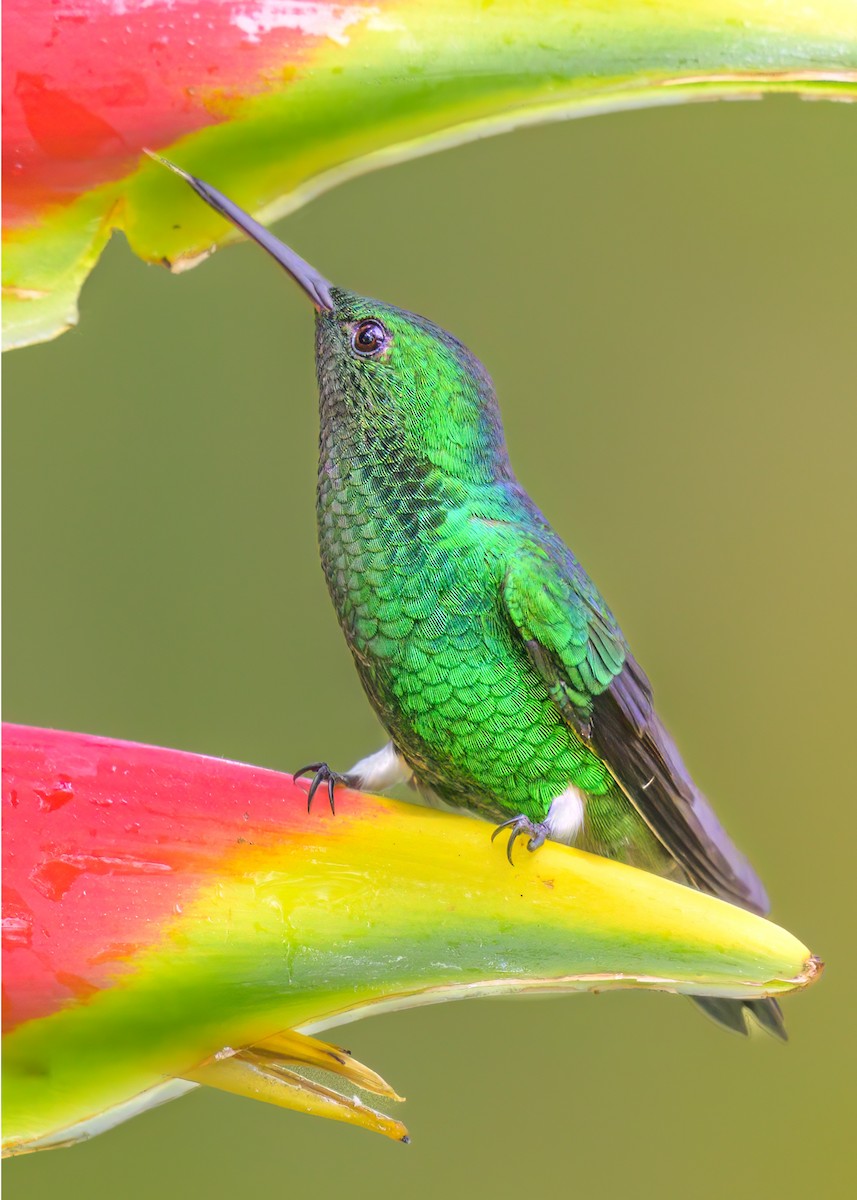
[
  {"x": 522, "y": 826},
  {"x": 322, "y": 774}
]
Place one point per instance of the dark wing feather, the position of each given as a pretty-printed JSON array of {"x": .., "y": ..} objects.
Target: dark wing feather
[
  {"x": 631, "y": 739},
  {"x": 643, "y": 756},
  {"x": 576, "y": 646}
]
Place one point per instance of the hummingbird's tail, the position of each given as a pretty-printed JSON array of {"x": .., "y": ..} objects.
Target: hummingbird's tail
[
  {"x": 736, "y": 1014},
  {"x": 646, "y": 763}
]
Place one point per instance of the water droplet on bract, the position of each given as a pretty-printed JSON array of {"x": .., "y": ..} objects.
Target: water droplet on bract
[
  {"x": 55, "y": 796},
  {"x": 17, "y": 930},
  {"x": 53, "y": 877}
]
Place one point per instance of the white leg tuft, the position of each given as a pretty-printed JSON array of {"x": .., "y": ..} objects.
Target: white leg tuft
[
  {"x": 381, "y": 770},
  {"x": 565, "y": 816}
]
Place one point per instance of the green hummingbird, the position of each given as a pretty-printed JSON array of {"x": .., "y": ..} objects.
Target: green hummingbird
[{"x": 502, "y": 677}]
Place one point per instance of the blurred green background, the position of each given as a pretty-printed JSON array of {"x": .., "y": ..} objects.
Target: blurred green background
[{"x": 667, "y": 303}]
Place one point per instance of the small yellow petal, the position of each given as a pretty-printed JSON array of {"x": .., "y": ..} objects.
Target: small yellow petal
[
  {"x": 289, "y": 1046},
  {"x": 247, "y": 1074}
]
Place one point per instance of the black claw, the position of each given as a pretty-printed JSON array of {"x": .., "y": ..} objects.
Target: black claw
[
  {"x": 306, "y": 770},
  {"x": 537, "y": 840},
  {"x": 521, "y": 825},
  {"x": 322, "y": 774},
  {"x": 313, "y": 788},
  {"x": 515, "y": 824}
]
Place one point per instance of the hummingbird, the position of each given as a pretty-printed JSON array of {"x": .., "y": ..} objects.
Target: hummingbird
[{"x": 500, "y": 674}]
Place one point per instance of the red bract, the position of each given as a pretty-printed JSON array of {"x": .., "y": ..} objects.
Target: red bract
[
  {"x": 104, "y": 841},
  {"x": 88, "y": 83}
]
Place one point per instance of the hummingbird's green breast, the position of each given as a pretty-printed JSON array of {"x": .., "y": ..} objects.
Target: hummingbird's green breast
[
  {"x": 417, "y": 600},
  {"x": 415, "y": 561}
]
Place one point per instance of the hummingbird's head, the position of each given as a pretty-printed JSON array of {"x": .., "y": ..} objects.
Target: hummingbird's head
[
  {"x": 403, "y": 381},
  {"x": 385, "y": 375}
]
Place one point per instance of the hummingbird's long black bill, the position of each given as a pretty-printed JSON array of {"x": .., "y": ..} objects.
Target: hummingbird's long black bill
[{"x": 314, "y": 284}]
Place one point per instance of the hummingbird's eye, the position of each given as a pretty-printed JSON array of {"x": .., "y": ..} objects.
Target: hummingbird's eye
[{"x": 369, "y": 338}]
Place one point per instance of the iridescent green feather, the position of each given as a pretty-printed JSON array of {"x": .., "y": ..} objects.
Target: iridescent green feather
[{"x": 441, "y": 568}]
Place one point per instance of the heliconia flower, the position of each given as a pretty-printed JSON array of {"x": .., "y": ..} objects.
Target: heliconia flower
[
  {"x": 276, "y": 100},
  {"x": 172, "y": 920}
]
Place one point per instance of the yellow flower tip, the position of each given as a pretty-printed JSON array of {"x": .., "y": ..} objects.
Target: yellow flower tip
[
  {"x": 262, "y": 1077},
  {"x": 300, "y": 1049},
  {"x": 262, "y": 1072}
]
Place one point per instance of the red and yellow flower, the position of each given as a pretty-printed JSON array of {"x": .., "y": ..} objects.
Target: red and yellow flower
[{"x": 171, "y": 919}]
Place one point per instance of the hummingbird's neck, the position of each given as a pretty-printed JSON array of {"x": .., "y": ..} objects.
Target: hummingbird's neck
[
  {"x": 453, "y": 454},
  {"x": 398, "y": 482}
]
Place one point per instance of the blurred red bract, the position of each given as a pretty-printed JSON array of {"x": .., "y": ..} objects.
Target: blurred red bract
[
  {"x": 88, "y": 83},
  {"x": 111, "y": 836}
]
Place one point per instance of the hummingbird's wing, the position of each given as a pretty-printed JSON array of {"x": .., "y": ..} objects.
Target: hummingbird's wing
[
  {"x": 570, "y": 635},
  {"x": 577, "y": 648}
]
